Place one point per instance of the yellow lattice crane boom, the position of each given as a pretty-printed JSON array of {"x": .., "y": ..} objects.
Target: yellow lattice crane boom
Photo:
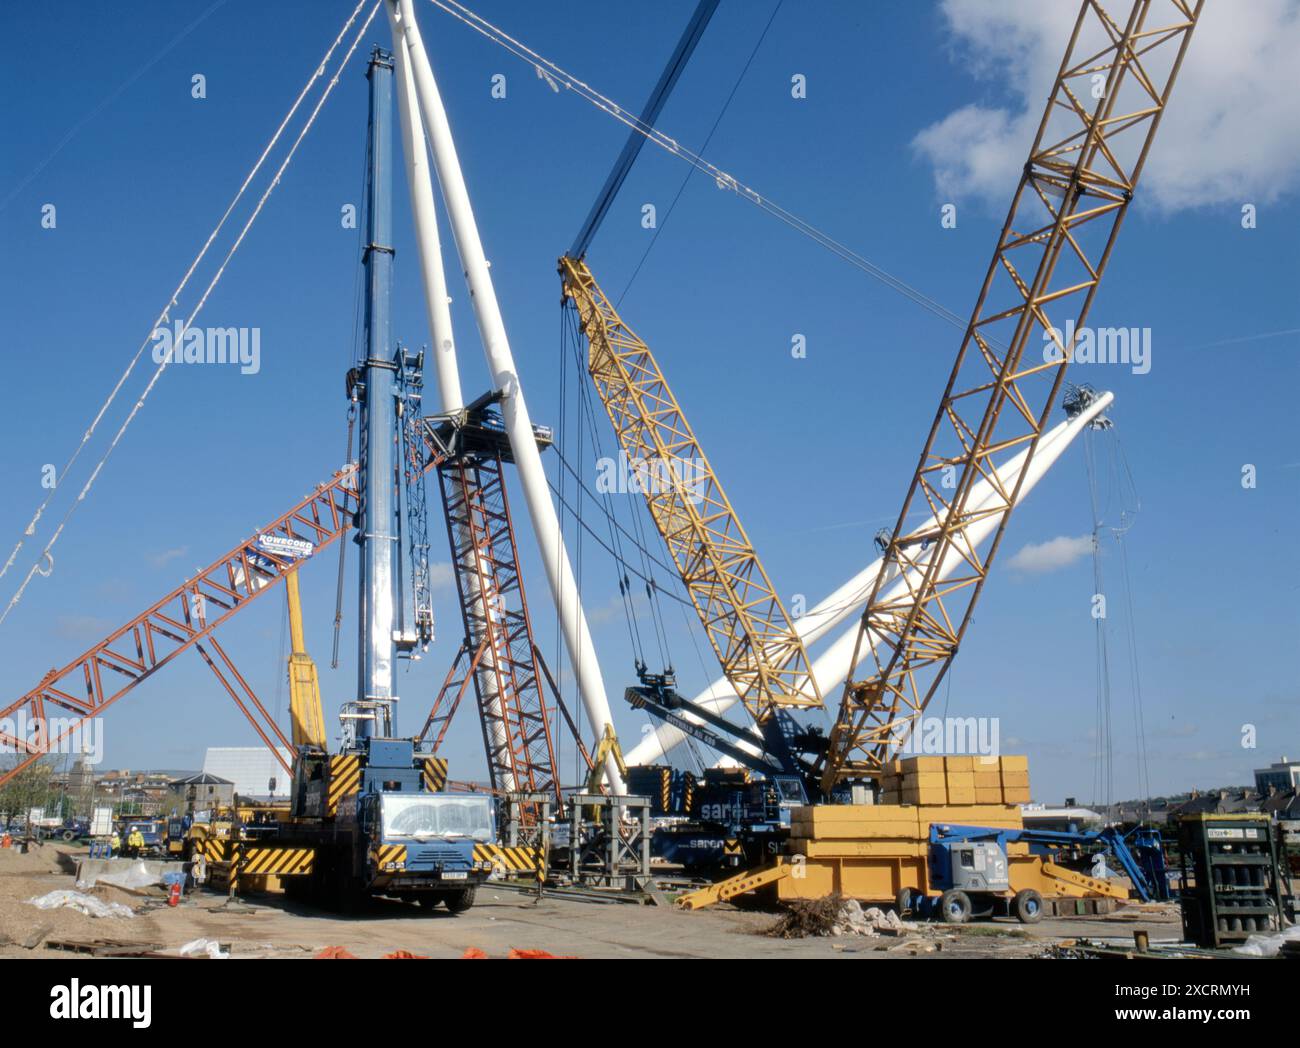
[
  {"x": 747, "y": 625},
  {"x": 1101, "y": 117}
]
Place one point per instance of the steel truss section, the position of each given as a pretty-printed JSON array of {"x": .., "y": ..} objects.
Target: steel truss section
[
  {"x": 502, "y": 659},
  {"x": 68, "y": 697},
  {"x": 609, "y": 841},
  {"x": 249, "y": 698},
  {"x": 760, "y": 651},
  {"x": 1075, "y": 189}
]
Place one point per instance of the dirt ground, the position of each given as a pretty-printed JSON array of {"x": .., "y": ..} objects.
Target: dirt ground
[{"x": 269, "y": 926}]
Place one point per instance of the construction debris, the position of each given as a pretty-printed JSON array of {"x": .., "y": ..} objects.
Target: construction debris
[
  {"x": 1268, "y": 945},
  {"x": 205, "y": 948},
  {"x": 82, "y": 903},
  {"x": 836, "y": 915}
]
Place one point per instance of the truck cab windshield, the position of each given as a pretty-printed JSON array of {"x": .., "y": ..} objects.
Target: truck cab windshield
[{"x": 430, "y": 815}]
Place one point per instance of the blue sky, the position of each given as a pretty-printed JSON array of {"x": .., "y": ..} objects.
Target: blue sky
[{"x": 814, "y": 452}]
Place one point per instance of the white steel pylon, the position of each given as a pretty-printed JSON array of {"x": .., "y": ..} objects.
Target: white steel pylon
[{"x": 501, "y": 366}]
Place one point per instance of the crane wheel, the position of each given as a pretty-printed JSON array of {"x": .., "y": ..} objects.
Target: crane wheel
[
  {"x": 459, "y": 902},
  {"x": 905, "y": 901},
  {"x": 954, "y": 907},
  {"x": 1028, "y": 906}
]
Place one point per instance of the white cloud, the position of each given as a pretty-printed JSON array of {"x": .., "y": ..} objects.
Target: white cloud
[
  {"x": 163, "y": 557},
  {"x": 442, "y": 576},
  {"x": 1231, "y": 132},
  {"x": 1052, "y": 555},
  {"x": 84, "y": 627}
]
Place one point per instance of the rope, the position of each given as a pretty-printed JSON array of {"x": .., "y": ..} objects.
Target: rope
[
  {"x": 610, "y": 549},
  {"x": 1103, "y": 769},
  {"x": 1120, "y": 461},
  {"x": 721, "y": 178},
  {"x": 106, "y": 102},
  {"x": 640, "y": 541},
  {"x": 163, "y": 316},
  {"x": 654, "y": 239},
  {"x": 1120, "y": 489}
]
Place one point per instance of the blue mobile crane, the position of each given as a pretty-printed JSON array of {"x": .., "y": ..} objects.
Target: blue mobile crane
[{"x": 374, "y": 818}]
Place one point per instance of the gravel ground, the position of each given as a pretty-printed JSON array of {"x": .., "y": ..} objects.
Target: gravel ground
[{"x": 500, "y": 921}]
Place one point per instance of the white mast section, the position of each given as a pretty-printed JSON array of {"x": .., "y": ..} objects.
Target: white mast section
[
  {"x": 514, "y": 409},
  {"x": 424, "y": 211},
  {"x": 831, "y": 667}
]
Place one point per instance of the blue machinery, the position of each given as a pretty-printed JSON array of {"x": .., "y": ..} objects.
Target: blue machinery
[
  {"x": 1138, "y": 852},
  {"x": 373, "y": 817}
]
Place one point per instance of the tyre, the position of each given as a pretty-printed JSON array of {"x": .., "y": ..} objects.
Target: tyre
[
  {"x": 1028, "y": 906},
  {"x": 430, "y": 900},
  {"x": 459, "y": 902},
  {"x": 68, "y": 835},
  {"x": 954, "y": 907},
  {"x": 904, "y": 901}
]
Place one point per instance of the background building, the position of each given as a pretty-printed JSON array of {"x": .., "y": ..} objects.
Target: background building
[
  {"x": 1285, "y": 775},
  {"x": 202, "y": 792},
  {"x": 255, "y": 772}
]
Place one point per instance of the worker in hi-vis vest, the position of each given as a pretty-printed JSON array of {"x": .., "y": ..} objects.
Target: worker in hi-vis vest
[{"x": 135, "y": 843}]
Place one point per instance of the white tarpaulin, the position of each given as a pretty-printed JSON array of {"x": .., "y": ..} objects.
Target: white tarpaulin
[{"x": 82, "y": 903}]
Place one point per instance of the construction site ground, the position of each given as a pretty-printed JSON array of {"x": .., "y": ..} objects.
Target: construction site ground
[{"x": 501, "y": 920}]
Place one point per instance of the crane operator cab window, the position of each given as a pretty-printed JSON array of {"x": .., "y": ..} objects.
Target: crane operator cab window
[{"x": 447, "y": 817}]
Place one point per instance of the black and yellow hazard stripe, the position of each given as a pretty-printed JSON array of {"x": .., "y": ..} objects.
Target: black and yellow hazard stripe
[
  {"x": 345, "y": 779},
  {"x": 390, "y": 858},
  {"x": 509, "y": 860},
  {"x": 212, "y": 849},
  {"x": 435, "y": 774},
  {"x": 732, "y": 847},
  {"x": 285, "y": 862}
]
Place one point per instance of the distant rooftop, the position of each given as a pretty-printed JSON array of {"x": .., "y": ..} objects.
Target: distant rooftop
[{"x": 203, "y": 778}]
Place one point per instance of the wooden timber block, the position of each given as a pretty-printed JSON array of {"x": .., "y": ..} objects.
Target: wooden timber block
[
  {"x": 988, "y": 795},
  {"x": 888, "y": 814},
  {"x": 1015, "y": 794},
  {"x": 1001, "y": 816},
  {"x": 952, "y": 764},
  {"x": 987, "y": 779},
  {"x": 1015, "y": 778},
  {"x": 917, "y": 764},
  {"x": 1020, "y": 763},
  {"x": 925, "y": 779},
  {"x": 889, "y": 848},
  {"x": 852, "y": 820},
  {"x": 959, "y": 795},
  {"x": 858, "y": 831}
]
